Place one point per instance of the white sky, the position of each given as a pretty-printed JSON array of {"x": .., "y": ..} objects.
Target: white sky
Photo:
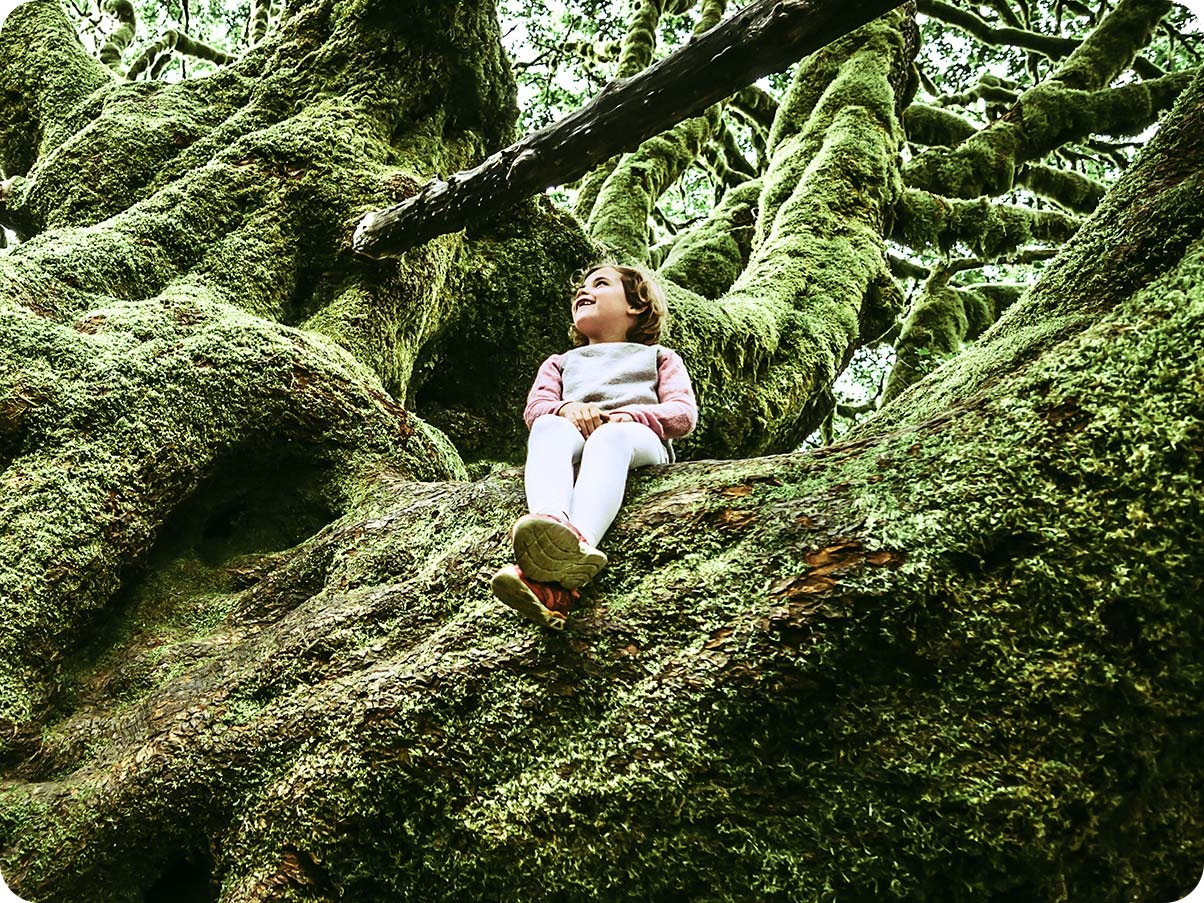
[{"x": 6, "y": 6}]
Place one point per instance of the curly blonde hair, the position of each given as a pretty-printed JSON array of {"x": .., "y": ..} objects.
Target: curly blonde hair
[{"x": 643, "y": 292}]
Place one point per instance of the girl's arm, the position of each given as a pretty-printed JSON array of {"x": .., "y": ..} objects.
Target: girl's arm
[
  {"x": 544, "y": 397},
  {"x": 677, "y": 413}
]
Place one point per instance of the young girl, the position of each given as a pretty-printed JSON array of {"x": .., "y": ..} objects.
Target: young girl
[{"x": 613, "y": 403}]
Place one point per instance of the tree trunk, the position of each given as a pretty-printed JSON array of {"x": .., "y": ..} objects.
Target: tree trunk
[{"x": 249, "y": 650}]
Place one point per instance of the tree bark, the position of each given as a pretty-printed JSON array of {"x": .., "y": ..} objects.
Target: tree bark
[
  {"x": 763, "y": 37},
  {"x": 249, "y": 652}
]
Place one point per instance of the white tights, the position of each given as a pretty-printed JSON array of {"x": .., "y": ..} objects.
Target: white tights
[{"x": 555, "y": 445}]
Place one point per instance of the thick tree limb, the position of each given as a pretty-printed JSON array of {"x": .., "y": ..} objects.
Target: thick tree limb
[
  {"x": 763, "y": 37},
  {"x": 924, "y": 220}
]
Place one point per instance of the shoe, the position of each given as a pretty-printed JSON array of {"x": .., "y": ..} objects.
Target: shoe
[
  {"x": 544, "y": 603},
  {"x": 552, "y": 550}
]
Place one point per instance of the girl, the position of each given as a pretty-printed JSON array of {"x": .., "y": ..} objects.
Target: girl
[{"x": 612, "y": 403}]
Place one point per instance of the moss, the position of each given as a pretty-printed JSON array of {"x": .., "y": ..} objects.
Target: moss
[
  {"x": 924, "y": 221},
  {"x": 45, "y": 74},
  {"x": 1110, "y": 48},
  {"x": 1073, "y": 103},
  {"x": 122, "y": 35},
  {"x": 1143, "y": 226},
  {"x": 510, "y": 287},
  {"x": 933, "y": 125},
  {"x": 790, "y": 320},
  {"x": 707, "y": 258},
  {"x": 619, "y": 222},
  {"x": 1071, "y": 190},
  {"x": 639, "y": 40}
]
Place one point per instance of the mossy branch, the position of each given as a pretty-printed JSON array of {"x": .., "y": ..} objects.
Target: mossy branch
[
  {"x": 178, "y": 41},
  {"x": 45, "y": 74},
  {"x": 932, "y": 126},
  {"x": 1052, "y": 46},
  {"x": 1112, "y": 45},
  {"x": 708, "y": 257},
  {"x": 924, "y": 220},
  {"x": 261, "y": 17},
  {"x": 989, "y": 87},
  {"x": 790, "y": 321},
  {"x": 724, "y": 160},
  {"x": 639, "y": 40},
  {"x": 756, "y": 105},
  {"x": 1071, "y": 190},
  {"x": 638, "y": 45},
  {"x": 1046, "y": 117},
  {"x": 940, "y": 322},
  {"x": 759, "y": 38},
  {"x": 123, "y": 34},
  {"x": 710, "y": 15},
  {"x": 620, "y": 219}
]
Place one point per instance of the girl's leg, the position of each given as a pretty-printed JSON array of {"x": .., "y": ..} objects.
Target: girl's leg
[
  {"x": 611, "y": 451},
  {"x": 553, "y": 447}
]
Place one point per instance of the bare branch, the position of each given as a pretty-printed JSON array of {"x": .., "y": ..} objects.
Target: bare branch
[{"x": 762, "y": 37}]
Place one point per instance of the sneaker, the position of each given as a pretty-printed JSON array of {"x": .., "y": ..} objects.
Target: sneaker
[
  {"x": 544, "y": 603},
  {"x": 552, "y": 550}
]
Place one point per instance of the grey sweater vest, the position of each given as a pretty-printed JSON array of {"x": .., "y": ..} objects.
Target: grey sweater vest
[{"x": 611, "y": 375}]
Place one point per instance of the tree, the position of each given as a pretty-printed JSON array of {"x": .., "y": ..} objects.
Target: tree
[{"x": 248, "y": 653}]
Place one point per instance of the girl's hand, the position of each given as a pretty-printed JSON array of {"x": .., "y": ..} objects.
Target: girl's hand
[
  {"x": 620, "y": 417},
  {"x": 586, "y": 417}
]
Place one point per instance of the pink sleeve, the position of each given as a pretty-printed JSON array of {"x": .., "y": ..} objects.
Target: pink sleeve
[
  {"x": 544, "y": 397},
  {"x": 677, "y": 413}
]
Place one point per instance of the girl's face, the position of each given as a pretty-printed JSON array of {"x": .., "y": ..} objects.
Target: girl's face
[{"x": 600, "y": 309}]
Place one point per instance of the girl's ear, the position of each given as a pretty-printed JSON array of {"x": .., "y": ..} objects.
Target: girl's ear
[{"x": 632, "y": 309}]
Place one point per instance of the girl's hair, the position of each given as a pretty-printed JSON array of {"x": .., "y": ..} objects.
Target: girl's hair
[{"x": 643, "y": 291}]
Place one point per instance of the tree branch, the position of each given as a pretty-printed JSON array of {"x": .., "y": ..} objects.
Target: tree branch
[
  {"x": 924, "y": 220},
  {"x": 1052, "y": 46},
  {"x": 1073, "y": 104},
  {"x": 761, "y": 38}
]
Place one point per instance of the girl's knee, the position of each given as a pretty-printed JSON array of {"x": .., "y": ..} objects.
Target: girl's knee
[
  {"x": 551, "y": 424},
  {"x": 609, "y": 433},
  {"x": 612, "y": 438}
]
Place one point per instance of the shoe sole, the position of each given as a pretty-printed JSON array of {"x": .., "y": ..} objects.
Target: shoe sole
[
  {"x": 550, "y": 552},
  {"x": 511, "y": 590}
]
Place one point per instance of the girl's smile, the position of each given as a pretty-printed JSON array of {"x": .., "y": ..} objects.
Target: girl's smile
[{"x": 601, "y": 311}]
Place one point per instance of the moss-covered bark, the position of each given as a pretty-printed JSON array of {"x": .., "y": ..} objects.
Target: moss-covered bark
[
  {"x": 923, "y": 221},
  {"x": 179, "y": 236},
  {"x": 1073, "y": 103},
  {"x": 708, "y": 258},
  {"x": 765, "y": 355},
  {"x": 1071, "y": 190},
  {"x": 619, "y": 222},
  {"x": 941, "y": 321},
  {"x": 247, "y": 652}
]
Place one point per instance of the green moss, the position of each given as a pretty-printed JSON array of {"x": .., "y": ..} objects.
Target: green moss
[
  {"x": 707, "y": 258},
  {"x": 790, "y": 320},
  {"x": 934, "y": 125},
  {"x": 1071, "y": 190},
  {"x": 45, "y": 74},
  {"x": 1073, "y": 103},
  {"x": 924, "y": 221},
  {"x": 619, "y": 222}
]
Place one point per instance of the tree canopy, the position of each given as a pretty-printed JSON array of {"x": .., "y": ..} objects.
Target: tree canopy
[{"x": 251, "y": 482}]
